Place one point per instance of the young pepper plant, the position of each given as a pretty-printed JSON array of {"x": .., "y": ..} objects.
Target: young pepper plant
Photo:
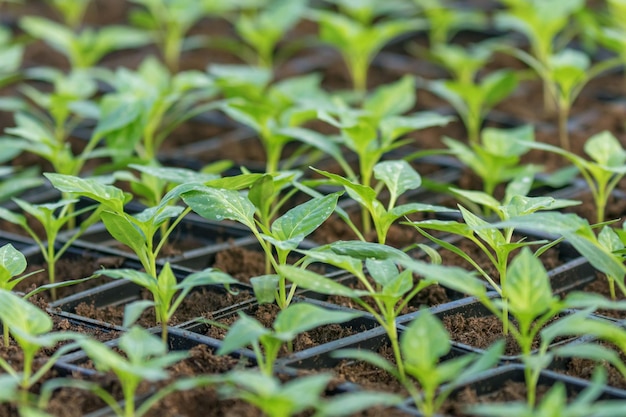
[
  {"x": 164, "y": 289},
  {"x": 53, "y": 217},
  {"x": 281, "y": 235},
  {"x": 602, "y": 172},
  {"x": 137, "y": 231},
  {"x": 261, "y": 26},
  {"x": 268, "y": 108},
  {"x": 390, "y": 288},
  {"x": 423, "y": 344},
  {"x": 358, "y": 43},
  {"x": 544, "y": 23},
  {"x": 376, "y": 128},
  {"x": 168, "y": 22},
  {"x": 497, "y": 245},
  {"x": 143, "y": 357},
  {"x": 72, "y": 11},
  {"x": 147, "y": 105},
  {"x": 84, "y": 48},
  {"x": 473, "y": 100},
  {"x": 289, "y": 323},
  {"x": 564, "y": 75},
  {"x": 496, "y": 157},
  {"x": 31, "y": 329},
  {"x": 398, "y": 177},
  {"x": 445, "y": 20},
  {"x": 276, "y": 399}
]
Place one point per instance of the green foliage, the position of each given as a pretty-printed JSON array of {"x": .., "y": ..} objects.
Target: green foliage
[
  {"x": 146, "y": 105},
  {"x": 496, "y": 157},
  {"x": 473, "y": 100},
  {"x": 289, "y": 323},
  {"x": 167, "y": 292},
  {"x": 267, "y": 108},
  {"x": 358, "y": 42},
  {"x": 31, "y": 329},
  {"x": 44, "y": 129},
  {"x": 398, "y": 177},
  {"x": 83, "y": 49},
  {"x": 10, "y": 57},
  {"x": 255, "y": 211},
  {"x": 603, "y": 170},
  {"x": 72, "y": 11},
  {"x": 53, "y": 217},
  {"x": 423, "y": 344},
  {"x": 262, "y": 28},
  {"x": 137, "y": 231},
  {"x": 497, "y": 245},
  {"x": 445, "y": 20},
  {"x": 168, "y": 22},
  {"x": 389, "y": 288},
  {"x": 143, "y": 357}
]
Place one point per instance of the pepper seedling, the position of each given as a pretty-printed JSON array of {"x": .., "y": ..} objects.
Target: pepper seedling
[
  {"x": 423, "y": 345},
  {"x": 390, "y": 288},
  {"x": 398, "y": 177},
  {"x": 146, "y": 105},
  {"x": 168, "y": 22},
  {"x": 31, "y": 329},
  {"x": 87, "y": 47},
  {"x": 281, "y": 235},
  {"x": 136, "y": 231},
  {"x": 358, "y": 43},
  {"x": 261, "y": 27},
  {"x": 495, "y": 244},
  {"x": 544, "y": 23},
  {"x": 72, "y": 11},
  {"x": 276, "y": 399},
  {"x": 53, "y": 217},
  {"x": 167, "y": 291},
  {"x": 143, "y": 357},
  {"x": 473, "y": 100},
  {"x": 603, "y": 170},
  {"x": 496, "y": 157},
  {"x": 268, "y": 108},
  {"x": 289, "y": 323}
]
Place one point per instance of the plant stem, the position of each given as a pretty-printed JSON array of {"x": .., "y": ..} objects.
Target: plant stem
[{"x": 563, "y": 118}]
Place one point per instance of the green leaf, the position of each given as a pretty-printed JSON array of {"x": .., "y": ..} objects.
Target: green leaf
[
  {"x": 364, "y": 195},
  {"x": 108, "y": 195},
  {"x": 399, "y": 176},
  {"x": 241, "y": 334},
  {"x": 264, "y": 287},
  {"x": 125, "y": 231},
  {"x": 12, "y": 261},
  {"x": 219, "y": 204},
  {"x": 305, "y": 218},
  {"x": 134, "y": 310},
  {"x": 351, "y": 403},
  {"x": 392, "y": 99},
  {"x": 23, "y": 316},
  {"x": 527, "y": 287},
  {"x": 605, "y": 149},
  {"x": 316, "y": 282},
  {"x": 424, "y": 342},
  {"x": 140, "y": 278},
  {"x": 301, "y": 317}
]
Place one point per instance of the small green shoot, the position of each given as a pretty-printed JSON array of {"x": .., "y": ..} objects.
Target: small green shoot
[
  {"x": 423, "y": 344},
  {"x": 289, "y": 323},
  {"x": 167, "y": 292}
]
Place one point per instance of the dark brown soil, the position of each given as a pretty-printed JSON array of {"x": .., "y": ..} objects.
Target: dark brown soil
[
  {"x": 510, "y": 392},
  {"x": 199, "y": 303},
  {"x": 482, "y": 332}
]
